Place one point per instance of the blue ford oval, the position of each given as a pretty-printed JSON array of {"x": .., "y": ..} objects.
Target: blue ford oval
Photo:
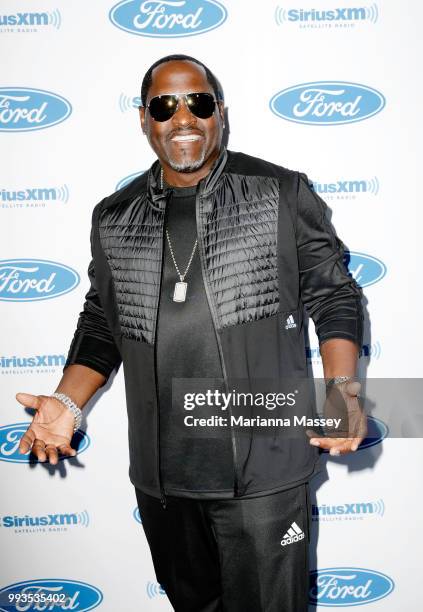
[
  {"x": 327, "y": 103},
  {"x": 348, "y": 586},
  {"x": 23, "y": 109},
  {"x": 31, "y": 280},
  {"x": 365, "y": 269},
  {"x": 170, "y": 19},
  {"x": 63, "y": 593},
  {"x": 136, "y": 514},
  {"x": 10, "y": 437}
]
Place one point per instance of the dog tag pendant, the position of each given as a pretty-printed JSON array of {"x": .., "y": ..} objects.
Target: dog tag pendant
[{"x": 180, "y": 292}]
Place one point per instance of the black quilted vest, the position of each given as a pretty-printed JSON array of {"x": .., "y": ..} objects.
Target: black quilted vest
[{"x": 248, "y": 250}]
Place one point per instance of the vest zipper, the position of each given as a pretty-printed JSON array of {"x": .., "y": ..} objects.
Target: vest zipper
[
  {"x": 198, "y": 202},
  {"x": 159, "y": 475}
]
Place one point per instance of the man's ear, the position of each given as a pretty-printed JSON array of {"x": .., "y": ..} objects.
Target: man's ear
[
  {"x": 221, "y": 106},
  {"x": 141, "y": 111}
]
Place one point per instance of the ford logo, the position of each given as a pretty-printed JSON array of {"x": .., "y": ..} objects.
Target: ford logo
[
  {"x": 377, "y": 431},
  {"x": 365, "y": 269},
  {"x": 10, "y": 436},
  {"x": 51, "y": 593},
  {"x": 348, "y": 586},
  {"x": 125, "y": 181},
  {"x": 327, "y": 103},
  {"x": 30, "y": 280},
  {"x": 168, "y": 18},
  {"x": 23, "y": 109},
  {"x": 137, "y": 516}
]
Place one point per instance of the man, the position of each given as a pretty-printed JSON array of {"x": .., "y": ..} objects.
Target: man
[{"x": 200, "y": 270}]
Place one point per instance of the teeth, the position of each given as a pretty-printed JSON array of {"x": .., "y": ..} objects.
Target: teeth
[{"x": 187, "y": 137}]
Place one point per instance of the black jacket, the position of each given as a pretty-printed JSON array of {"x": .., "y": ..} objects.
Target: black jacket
[{"x": 266, "y": 250}]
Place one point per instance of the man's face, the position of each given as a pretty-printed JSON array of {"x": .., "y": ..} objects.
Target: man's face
[{"x": 185, "y": 142}]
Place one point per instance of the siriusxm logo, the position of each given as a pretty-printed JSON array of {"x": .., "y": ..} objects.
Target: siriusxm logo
[
  {"x": 10, "y": 437},
  {"x": 327, "y": 103},
  {"x": 365, "y": 269},
  {"x": 30, "y": 280},
  {"x": 23, "y": 109},
  {"x": 37, "y": 361},
  {"x": 50, "y": 594},
  {"x": 367, "y": 351},
  {"x": 32, "y": 363},
  {"x": 125, "y": 181},
  {"x": 45, "y": 523},
  {"x": 30, "y": 22},
  {"x": 337, "y": 17},
  {"x": 344, "y": 189},
  {"x": 154, "y": 589},
  {"x": 168, "y": 18},
  {"x": 31, "y": 197},
  {"x": 348, "y": 586},
  {"x": 136, "y": 514},
  {"x": 128, "y": 103},
  {"x": 348, "y": 512}
]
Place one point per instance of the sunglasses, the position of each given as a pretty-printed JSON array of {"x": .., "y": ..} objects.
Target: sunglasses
[{"x": 162, "y": 108}]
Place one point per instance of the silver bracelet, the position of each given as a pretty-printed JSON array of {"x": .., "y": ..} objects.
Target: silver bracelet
[
  {"x": 66, "y": 401},
  {"x": 337, "y": 380}
]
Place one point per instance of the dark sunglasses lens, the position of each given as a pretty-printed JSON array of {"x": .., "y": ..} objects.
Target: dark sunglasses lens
[
  {"x": 201, "y": 104},
  {"x": 162, "y": 108}
]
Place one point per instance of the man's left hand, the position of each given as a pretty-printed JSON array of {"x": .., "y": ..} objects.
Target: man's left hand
[{"x": 342, "y": 402}]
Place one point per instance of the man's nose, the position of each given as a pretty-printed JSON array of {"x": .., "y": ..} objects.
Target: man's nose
[{"x": 183, "y": 115}]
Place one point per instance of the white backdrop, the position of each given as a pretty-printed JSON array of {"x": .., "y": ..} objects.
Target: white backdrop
[{"x": 62, "y": 154}]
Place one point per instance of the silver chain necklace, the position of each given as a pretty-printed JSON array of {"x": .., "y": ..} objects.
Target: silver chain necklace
[{"x": 180, "y": 291}]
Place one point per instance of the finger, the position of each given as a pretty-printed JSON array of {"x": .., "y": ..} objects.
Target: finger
[
  {"x": 355, "y": 443},
  {"x": 52, "y": 454},
  {"x": 353, "y": 388},
  {"x": 362, "y": 427},
  {"x": 38, "y": 449},
  {"x": 326, "y": 443},
  {"x": 26, "y": 441},
  {"x": 335, "y": 446},
  {"x": 317, "y": 439},
  {"x": 66, "y": 449},
  {"x": 347, "y": 446},
  {"x": 28, "y": 400},
  {"x": 340, "y": 449},
  {"x": 359, "y": 428},
  {"x": 314, "y": 437}
]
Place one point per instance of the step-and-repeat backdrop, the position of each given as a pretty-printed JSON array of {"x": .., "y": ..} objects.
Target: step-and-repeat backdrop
[{"x": 328, "y": 87}]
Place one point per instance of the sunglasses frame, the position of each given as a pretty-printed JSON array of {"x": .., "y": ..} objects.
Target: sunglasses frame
[{"x": 179, "y": 96}]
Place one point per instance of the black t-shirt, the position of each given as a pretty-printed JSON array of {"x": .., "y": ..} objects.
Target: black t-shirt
[{"x": 187, "y": 348}]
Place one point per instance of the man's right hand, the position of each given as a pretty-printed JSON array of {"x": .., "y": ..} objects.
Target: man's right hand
[{"x": 51, "y": 429}]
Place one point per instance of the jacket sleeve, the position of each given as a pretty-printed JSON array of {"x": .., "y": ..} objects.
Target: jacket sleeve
[
  {"x": 331, "y": 296},
  {"x": 93, "y": 344}
]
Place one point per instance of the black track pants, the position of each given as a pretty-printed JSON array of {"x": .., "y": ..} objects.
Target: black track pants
[{"x": 232, "y": 555}]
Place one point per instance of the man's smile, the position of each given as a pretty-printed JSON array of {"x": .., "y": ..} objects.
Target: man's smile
[{"x": 186, "y": 137}]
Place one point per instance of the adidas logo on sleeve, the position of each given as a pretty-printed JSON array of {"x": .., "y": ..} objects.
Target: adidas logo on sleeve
[
  {"x": 290, "y": 323},
  {"x": 294, "y": 534}
]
